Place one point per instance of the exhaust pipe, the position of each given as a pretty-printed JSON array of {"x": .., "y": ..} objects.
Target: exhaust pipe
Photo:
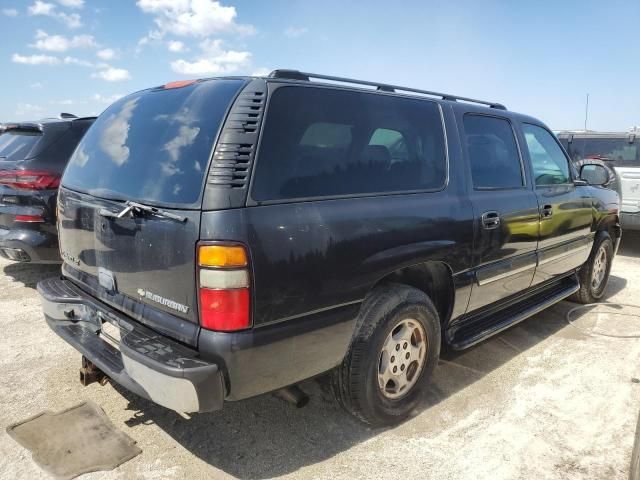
[
  {"x": 89, "y": 374},
  {"x": 293, "y": 395}
]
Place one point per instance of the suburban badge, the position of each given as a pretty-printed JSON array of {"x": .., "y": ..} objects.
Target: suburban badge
[{"x": 163, "y": 301}]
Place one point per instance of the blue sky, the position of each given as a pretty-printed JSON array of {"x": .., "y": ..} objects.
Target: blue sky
[{"x": 537, "y": 57}]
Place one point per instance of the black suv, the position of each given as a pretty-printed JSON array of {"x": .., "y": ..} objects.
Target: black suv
[
  {"x": 228, "y": 237},
  {"x": 32, "y": 158}
]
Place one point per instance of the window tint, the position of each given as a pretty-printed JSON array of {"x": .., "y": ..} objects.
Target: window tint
[
  {"x": 493, "y": 152},
  {"x": 322, "y": 142},
  {"x": 17, "y": 146},
  {"x": 394, "y": 141},
  {"x": 621, "y": 152},
  {"x": 550, "y": 165},
  {"x": 327, "y": 135},
  {"x": 152, "y": 146}
]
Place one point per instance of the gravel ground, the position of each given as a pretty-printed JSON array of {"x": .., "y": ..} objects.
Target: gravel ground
[{"x": 541, "y": 400}]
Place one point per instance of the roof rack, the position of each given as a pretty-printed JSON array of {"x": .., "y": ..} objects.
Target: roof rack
[{"x": 383, "y": 87}]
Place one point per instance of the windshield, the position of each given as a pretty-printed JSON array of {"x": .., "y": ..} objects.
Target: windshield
[
  {"x": 619, "y": 151},
  {"x": 17, "y": 146},
  {"x": 153, "y": 146}
]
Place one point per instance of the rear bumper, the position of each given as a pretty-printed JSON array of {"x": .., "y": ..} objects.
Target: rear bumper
[
  {"x": 143, "y": 361},
  {"x": 29, "y": 246},
  {"x": 630, "y": 221}
]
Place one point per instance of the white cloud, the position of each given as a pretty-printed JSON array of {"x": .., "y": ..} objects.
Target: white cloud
[
  {"x": 261, "y": 72},
  {"x": 64, "y": 102},
  {"x": 77, "y": 61},
  {"x": 106, "y": 54},
  {"x": 36, "y": 85},
  {"x": 29, "y": 109},
  {"x": 175, "y": 46},
  {"x": 107, "y": 100},
  {"x": 197, "y": 18},
  {"x": 42, "y": 8},
  {"x": 10, "y": 12},
  {"x": 116, "y": 131},
  {"x": 112, "y": 74},
  {"x": 295, "y": 32},
  {"x": 71, "y": 20},
  {"x": 71, "y": 3},
  {"x": 214, "y": 60},
  {"x": 35, "y": 59},
  {"x": 60, "y": 43}
]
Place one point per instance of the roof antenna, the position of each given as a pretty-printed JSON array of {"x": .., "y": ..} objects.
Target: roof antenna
[{"x": 586, "y": 113}]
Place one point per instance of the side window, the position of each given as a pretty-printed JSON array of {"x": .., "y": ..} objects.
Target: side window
[
  {"x": 326, "y": 142},
  {"x": 493, "y": 152},
  {"x": 549, "y": 163}
]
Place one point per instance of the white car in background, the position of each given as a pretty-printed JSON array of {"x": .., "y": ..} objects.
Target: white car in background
[{"x": 620, "y": 151}]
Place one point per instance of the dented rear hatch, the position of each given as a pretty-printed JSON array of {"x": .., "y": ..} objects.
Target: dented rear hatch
[{"x": 150, "y": 149}]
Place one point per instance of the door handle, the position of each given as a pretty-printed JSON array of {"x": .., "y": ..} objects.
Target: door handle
[
  {"x": 546, "y": 212},
  {"x": 490, "y": 220}
]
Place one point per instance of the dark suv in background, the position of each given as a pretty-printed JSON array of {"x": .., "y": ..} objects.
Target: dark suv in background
[
  {"x": 33, "y": 156},
  {"x": 229, "y": 237}
]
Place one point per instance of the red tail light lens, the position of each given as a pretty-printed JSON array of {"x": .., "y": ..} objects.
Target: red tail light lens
[
  {"x": 224, "y": 310},
  {"x": 29, "y": 218},
  {"x": 29, "y": 179}
]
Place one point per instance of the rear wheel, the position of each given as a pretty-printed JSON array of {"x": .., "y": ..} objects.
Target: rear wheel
[
  {"x": 594, "y": 274},
  {"x": 392, "y": 356}
]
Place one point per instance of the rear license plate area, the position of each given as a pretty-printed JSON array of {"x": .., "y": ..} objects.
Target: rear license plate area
[{"x": 110, "y": 333}]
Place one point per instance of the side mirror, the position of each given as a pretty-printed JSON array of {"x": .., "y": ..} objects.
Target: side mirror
[{"x": 595, "y": 174}]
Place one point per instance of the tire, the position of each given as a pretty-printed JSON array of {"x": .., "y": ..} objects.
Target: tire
[
  {"x": 356, "y": 383},
  {"x": 591, "y": 290}
]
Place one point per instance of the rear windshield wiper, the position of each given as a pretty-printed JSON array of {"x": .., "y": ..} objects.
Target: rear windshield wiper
[{"x": 133, "y": 207}]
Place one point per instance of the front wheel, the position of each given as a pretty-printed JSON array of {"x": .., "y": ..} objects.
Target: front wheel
[
  {"x": 391, "y": 357},
  {"x": 594, "y": 274}
]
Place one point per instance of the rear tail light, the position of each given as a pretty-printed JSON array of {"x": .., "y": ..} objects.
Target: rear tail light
[
  {"x": 29, "y": 179},
  {"x": 224, "y": 288},
  {"x": 29, "y": 218}
]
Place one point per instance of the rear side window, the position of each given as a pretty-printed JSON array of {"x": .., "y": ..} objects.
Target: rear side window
[
  {"x": 550, "y": 165},
  {"x": 323, "y": 142},
  {"x": 153, "y": 146},
  {"x": 493, "y": 152}
]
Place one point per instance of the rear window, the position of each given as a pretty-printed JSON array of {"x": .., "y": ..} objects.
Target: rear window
[
  {"x": 153, "y": 146},
  {"x": 619, "y": 151},
  {"x": 18, "y": 146},
  {"x": 323, "y": 142}
]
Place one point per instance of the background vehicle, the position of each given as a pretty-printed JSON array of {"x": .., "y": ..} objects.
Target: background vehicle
[
  {"x": 620, "y": 151},
  {"x": 33, "y": 156},
  {"x": 228, "y": 237}
]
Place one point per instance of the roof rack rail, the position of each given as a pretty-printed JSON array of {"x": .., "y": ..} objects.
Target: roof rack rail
[{"x": 305, "y": 76}]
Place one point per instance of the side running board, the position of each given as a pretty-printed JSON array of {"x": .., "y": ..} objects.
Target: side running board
[{"x": 487, "y": 323}]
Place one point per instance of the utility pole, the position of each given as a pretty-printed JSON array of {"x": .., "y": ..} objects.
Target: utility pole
[{"x": 586, "y": 113}]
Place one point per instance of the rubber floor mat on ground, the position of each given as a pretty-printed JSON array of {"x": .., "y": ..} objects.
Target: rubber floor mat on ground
[{"x": 77, "y": 440}]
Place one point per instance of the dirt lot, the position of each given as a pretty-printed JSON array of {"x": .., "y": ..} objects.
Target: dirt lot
[{"x": 542, "y": 400}]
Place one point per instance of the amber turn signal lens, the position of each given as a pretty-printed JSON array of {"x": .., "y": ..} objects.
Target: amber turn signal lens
[{"x": 222, "y": 256}]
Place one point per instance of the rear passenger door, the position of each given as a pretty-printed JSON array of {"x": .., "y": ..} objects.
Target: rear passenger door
[
  {"x": 565, "y": 209},
  {"x": 504, "y": 206}
]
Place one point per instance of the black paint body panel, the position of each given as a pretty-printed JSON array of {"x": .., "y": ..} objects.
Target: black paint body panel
[{"x": 313, "y": 261}]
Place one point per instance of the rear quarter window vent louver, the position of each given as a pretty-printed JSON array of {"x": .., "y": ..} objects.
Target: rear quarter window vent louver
[{"x": 228, "y": 177}]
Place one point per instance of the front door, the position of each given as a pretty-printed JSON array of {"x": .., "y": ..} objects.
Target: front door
[
  {"x": 565, "y": 209},
  {"x": 505, "y": 210}
]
